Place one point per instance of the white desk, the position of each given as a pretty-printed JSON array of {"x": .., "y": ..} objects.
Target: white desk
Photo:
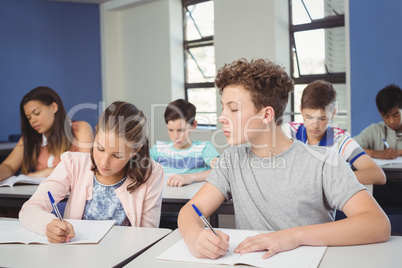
[
  {"x": 120, "y": 245},
  {"x": 369, "y": 256}
]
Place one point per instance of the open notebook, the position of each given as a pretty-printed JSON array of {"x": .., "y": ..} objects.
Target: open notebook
[
  {"x": 302, "y": 257},
  {"x": 20, "y": 179},
  {"x": 86, "y": 232}
]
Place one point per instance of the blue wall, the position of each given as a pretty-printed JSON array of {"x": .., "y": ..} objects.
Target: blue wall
[
  {"x": 55, "y": 44},
  {"x": 376, "y": 55}
]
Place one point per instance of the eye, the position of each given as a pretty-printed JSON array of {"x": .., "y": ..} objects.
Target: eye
[
  {"x": 100, "y": 149},
  {"x": 118, "y": 156}
]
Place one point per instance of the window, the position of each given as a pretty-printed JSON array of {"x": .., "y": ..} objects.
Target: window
[
  {"x": 317, "y": 43},
  {"x": 199, "y": 59}
]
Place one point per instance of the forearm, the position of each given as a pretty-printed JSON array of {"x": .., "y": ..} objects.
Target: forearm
[
  {"x": 349, "y": 231},
  {"x": 372, "y": 153},
  {"x": 5, "y": 171},
  {"x": 371, "y": 176},
  {"x": 188, "y": 222},
  {"x": 42, "y": 173}
]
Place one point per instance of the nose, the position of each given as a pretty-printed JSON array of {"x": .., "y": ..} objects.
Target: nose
[
  {"x": 105, "y": 161},
  {"x": 177, "y": 135},
  {"x": 223, "y": 119}
]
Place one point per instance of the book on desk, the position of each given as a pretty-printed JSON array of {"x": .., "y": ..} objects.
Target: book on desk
[
  {"x": 303, "y": 256},
  {"x": 86, "y": 232},
  {"x": 21, "y": 179}
]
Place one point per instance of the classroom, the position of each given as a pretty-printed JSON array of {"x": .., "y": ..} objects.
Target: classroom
[{"x": 96, "y": 52}]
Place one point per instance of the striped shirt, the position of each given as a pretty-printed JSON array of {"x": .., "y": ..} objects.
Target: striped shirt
[
  {"x": 335, "y": 138},
  {"x": 196, "y": 158}
]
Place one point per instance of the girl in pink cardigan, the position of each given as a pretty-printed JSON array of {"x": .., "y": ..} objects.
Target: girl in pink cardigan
[{"x": 118, "y": 180}]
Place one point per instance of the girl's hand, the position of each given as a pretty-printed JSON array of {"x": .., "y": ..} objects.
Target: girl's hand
[
  {"x": 207, "y": 245},
  {"x": 179, "y": 180},
  {"x": 274, "y": 242},
  {"x": 59, "y": 231}
]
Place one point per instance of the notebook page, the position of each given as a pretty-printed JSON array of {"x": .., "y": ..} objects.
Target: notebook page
[{"x": 12, "y": 232}]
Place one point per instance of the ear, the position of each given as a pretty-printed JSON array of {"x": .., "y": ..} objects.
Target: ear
[
  {"x": 269, "y": 115},
  {"x": 194, "y": 124},
  {"x": 54, "y": 107}
]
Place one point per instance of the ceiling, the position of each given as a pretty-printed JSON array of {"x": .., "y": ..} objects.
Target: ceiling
[{"x": 83, "y": 1}]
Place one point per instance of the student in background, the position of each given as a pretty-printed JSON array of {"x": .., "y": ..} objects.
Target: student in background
[
  {"x": 188, "y": 160},
  {"x": 318, "y": 108},
  {"x": 47, "y": 132},
  {"x": 277, "y": 183},
  {"x": 384, "y": 139},
  {"x": 118, "y": 180}
]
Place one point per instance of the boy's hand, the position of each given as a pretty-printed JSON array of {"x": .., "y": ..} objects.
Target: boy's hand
[
  {"x": 207, "y": 245},
  {"x": 179, "y": 180},
  {"x": 274, "y": 242},
  {"x": 59, "y": 231},
  {"x": 388, "y": 154}
]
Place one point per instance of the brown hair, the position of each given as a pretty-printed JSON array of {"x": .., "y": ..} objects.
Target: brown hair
[
  {"x": 268, "y": 83},
  {"x": 318, "y": 94},
  {"x": 130, "y": 124},
  {"x": 180, "y": 109},
  {"x": 61, "y": 135}
]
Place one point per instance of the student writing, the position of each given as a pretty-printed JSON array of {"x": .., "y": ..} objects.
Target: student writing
[
  {"x": 117, "y": 181},
  {"x": 371, "y": 139},
  {"x": 47, "y": 132},
  {"x": 188, "y": 160},
  {"x": 318, "y": 108},
  {"x": 276, "y": 183}
]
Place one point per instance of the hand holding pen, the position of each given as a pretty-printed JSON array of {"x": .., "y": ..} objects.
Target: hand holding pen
[
  {"x": 214, "y": 244},
  {"x": 58, "y": 230}
]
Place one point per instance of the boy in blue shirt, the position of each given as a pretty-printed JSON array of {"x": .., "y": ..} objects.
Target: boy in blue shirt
[{"x": 188, "y": 160}]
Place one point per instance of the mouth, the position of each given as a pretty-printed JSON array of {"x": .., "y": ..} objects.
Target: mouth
[
  {"x": 36, "y": 127},
  {"x": 226, "y": 133},
  {"x": 104, "y": 169}
]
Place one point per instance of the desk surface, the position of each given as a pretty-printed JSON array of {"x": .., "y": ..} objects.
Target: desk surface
[
  {"x": 375, "y": 255},
  {"x": 169, "y": 193},
  {"x": 119, "y": 244}
]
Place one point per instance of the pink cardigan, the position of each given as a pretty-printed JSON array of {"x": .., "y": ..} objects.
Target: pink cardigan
[{"x": 73, "y": 175}]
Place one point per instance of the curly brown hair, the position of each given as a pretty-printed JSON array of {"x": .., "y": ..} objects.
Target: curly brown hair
[{"x": 267, "y": 82}]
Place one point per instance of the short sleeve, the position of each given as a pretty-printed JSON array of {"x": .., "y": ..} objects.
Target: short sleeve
[
  {"x": 220, "y": 175},
  {"x": 209, "y": 153},
  {"x": 339, "y": 181}
]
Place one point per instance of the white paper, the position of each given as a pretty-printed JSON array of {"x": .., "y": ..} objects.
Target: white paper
[
  {"x": 86, "y": 232},
  {"x": 303, "y": 257}
]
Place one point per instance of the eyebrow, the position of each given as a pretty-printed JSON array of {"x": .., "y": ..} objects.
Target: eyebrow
[{"x": 230, "y": 102}]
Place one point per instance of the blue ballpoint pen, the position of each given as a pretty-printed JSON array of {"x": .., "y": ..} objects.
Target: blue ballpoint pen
[
  {"x": 385, "y": 143},
  {"x": 204, "y": 220},
  {"x": 54, "y": 206}
]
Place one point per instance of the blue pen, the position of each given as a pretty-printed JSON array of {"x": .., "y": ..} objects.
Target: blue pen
[
  {"x": 54, "y": 206},
  {"x": 385, "y": 143},
  {"x": 204, "y": 220}
]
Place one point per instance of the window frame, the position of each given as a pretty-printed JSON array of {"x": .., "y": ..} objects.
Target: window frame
[
  {"x": 187, "y": 45},
  {"x": 315, "y": 24}
]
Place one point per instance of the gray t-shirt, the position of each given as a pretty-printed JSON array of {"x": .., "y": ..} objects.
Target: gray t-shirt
[
  {"x": 372, "y": 137},
  {"x": 302, "y": 186}
]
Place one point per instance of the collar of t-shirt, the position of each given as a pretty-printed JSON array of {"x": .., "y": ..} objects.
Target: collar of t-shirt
[{"x": 327, "y": 139}]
